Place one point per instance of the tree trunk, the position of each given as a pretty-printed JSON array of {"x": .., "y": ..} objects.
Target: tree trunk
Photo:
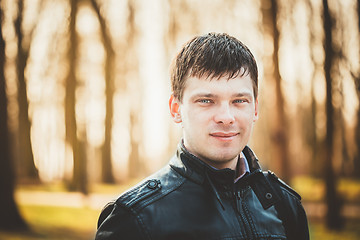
[
  {"x": 79, "y": 181},
  {"x": 279, "y": 138},
  {"x": 357, "y": 139},
  {"x": 135, "y": 169},
  {"x": 357, "y": 129},
  {"x": 10, "y": 218},
  {"x": 135, "y": 166},
  {"x": 107, "y": 174},
  {"x": 333, "y": 216},
  {"x": 311, "y": 138},
  {"x": 345, "y": 155},
  {"x": 27, "y": 169}
]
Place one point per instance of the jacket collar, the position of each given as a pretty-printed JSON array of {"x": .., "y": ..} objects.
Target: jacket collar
[
  {"x": 196, "y": 170},
  {"x": 193, "y": 168}
]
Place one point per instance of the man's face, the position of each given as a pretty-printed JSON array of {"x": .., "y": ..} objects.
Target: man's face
[{"x": 217, "y": 117}]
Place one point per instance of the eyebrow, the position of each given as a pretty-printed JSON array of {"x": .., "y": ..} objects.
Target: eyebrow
[
  {"x": 211, "y": 95},
  {"x": 206, "y": 95},
  {"x": 243, "y": 94}
]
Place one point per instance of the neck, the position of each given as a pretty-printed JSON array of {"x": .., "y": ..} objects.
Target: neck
[{"x": 231, "y": 164}]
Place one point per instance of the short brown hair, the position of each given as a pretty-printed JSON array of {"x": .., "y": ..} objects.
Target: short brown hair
[{"x": 212, "y": 55}]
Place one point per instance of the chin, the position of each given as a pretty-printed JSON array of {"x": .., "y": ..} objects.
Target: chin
[
  {"x": 224, "y": 157},
  {"x": 228, "y": 152}
]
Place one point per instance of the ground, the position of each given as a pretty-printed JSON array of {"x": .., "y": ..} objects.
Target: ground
[{"x": 55, "y": 214}]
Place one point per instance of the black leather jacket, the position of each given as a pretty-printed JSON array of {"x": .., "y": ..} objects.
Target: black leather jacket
[{"x": 190, "y": 200}]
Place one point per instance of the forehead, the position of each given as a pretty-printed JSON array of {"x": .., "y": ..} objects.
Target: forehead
[{"x": 218, "y": 86}]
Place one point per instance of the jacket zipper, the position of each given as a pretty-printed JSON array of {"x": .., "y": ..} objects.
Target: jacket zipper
[{"x": 238, "y": 195}]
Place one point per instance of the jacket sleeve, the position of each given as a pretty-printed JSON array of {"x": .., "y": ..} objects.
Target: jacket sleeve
[
  {"x": 117, "y": 222},
  {"x": 302, "y": 225}
]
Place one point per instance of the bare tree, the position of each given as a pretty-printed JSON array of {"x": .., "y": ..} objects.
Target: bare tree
[
  {"x": 356, "y": 78},
  {"x": 311, "y": 139},
  {"x": 79, "y": 181},
  {"x": 135, "y": 167},
  {"x": 10, "y": 218},
  {"x": 107, "y": 174},
  {"x": 333, "y": 217},
  {"x": 279, "y": 133},
  {"x": 26, "y": 158}
]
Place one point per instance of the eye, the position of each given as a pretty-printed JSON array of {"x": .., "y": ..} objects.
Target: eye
[
  {"x": 204, "y": 101},
  {"x": 240, "y": 101}
]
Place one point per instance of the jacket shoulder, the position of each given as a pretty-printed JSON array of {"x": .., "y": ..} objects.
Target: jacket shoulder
[
  {"x": 120, "y": 219},
  {"x": 105, "y": 212},
  {"x": 140, "y": 192},
  {"x": 151, "y": 189},
  {"x": 116, "y": 222},
  {"x": 285, "y": 187}
]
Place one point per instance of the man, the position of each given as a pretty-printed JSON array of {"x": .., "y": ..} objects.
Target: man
[{"x": 213, "y": 188}]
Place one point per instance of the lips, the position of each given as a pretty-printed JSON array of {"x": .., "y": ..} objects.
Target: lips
[{"x": 224, "y": 136}]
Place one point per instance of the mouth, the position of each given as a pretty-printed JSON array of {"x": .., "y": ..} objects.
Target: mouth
[{"x": 224, "y": 136}]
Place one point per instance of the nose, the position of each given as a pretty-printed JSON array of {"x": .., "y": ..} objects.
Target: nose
[{"x": 224, "y": 115}]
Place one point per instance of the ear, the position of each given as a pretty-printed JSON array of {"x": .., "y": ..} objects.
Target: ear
[
  {"x": 256, "y": 113},
  {"x": 174, "y": 105}
]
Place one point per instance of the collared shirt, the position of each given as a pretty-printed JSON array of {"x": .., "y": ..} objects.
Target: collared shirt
[
  {"x": 241, "y": 166},
  {"x": 245, "y": 166}
]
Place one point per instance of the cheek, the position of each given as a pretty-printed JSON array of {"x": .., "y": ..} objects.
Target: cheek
[
  {"x": 195, "y": 121},
  {"x": 196, "y": 115},
  {"x": 195, "y": 124},
  {"x": 245, "y": 119}
]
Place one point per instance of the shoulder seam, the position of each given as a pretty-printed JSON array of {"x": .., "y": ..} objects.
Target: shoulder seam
[
  {"x": 131, "y": 197},
  {"x": 136, "y": 201},
  {"x": 155, "y": 197}
]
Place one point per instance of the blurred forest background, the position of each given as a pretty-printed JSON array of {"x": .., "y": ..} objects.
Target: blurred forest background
[{"x": 84, "y": 88}]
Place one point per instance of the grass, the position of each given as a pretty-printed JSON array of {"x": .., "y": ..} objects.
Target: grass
[{"x": 56, "y": 223}]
